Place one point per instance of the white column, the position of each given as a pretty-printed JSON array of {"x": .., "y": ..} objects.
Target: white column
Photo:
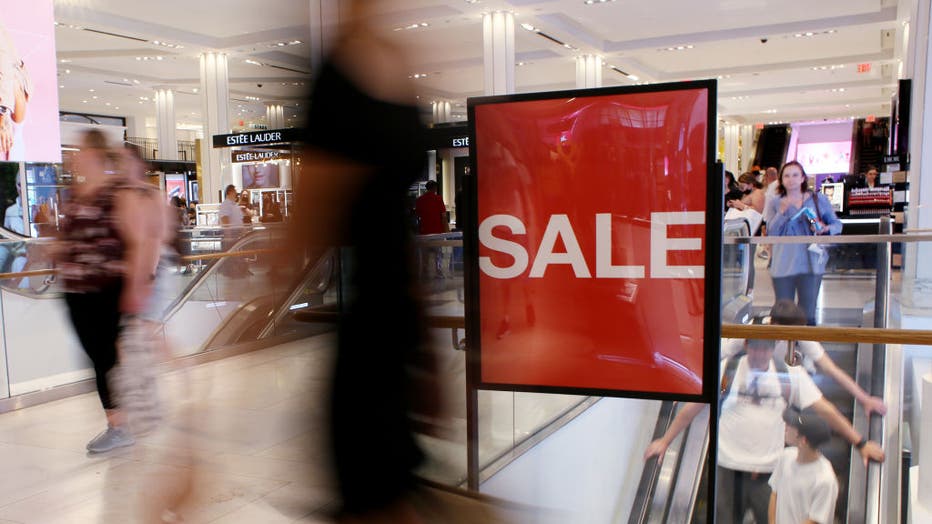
[
  {"x": 325, "y": 21},
  {"x": 588, "y": 71},
  {"x": 925, "y": 443},
  {"x": 215, "y": 99},
  {"x": 498, "y": 30},
  {"x": 275, "y": 115},
  {"x": 442, "y": 111},
  {"x": 747, "y": 148},
  {"x": 731, "y": 149},
  {"x": 165, "y": 123},
  {"x": 920, "y": 142}
]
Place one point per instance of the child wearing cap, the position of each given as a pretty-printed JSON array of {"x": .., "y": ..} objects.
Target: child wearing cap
[{"x": 804, "y": 487}]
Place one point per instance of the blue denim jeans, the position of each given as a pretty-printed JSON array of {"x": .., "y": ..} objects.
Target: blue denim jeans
[{"x": 806, "y": 286}]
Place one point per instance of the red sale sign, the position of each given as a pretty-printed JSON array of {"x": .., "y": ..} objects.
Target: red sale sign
[{"x": 597, "y": 234}]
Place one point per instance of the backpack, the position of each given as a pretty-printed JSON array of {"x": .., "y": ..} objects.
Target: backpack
[{"x": 731, "y": 368}]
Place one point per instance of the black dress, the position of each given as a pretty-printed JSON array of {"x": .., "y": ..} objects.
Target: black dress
[{"x": 374, "y": 450}]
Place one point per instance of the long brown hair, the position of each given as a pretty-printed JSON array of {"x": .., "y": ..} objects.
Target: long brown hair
[
  {"x": 748, "y": 178},
  {"x": 805, "y": 185}
]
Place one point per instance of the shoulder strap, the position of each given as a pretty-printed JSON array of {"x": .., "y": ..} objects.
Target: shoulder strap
[{"x": 815, "y": 202}]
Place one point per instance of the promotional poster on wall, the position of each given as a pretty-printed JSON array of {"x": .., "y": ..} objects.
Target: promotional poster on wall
[
  {"x": 175, "y": 186},
  {"x": 260, "y": 176},
  {"x": 28, "y": 82}
]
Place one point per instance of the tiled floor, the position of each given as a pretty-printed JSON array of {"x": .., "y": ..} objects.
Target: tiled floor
[
  {"x": 243, "y": 438},
  {"x": 244, "y": 431}
]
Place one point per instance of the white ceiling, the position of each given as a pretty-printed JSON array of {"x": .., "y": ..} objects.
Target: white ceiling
[{"x": 787, "y": 78}]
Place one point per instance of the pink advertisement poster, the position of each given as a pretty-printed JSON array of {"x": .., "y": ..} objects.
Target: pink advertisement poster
[{"x": 28, "y": 82}]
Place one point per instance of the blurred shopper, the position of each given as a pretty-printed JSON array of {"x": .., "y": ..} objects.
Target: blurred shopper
[
  {"x": 748, "y": 207},
  {"x": 13, "y": 256},
  {"x": 245, "y": 204},
  {"x": 771, "y": 181},
  {"x": 797, "y": 269},
  {"x": 383, "y": 383},
  {"x": 271, "y": 211},
  {"x": 732, "y": 191},
  {"x": 99, "y": 263},
  {"x": 230, "y": 212},
  {"x": 180, "y": 208},
  {"x": 432, "y": 219},
  {"x": 232, "y": 218},
  {"x": 756, "y": 389},
  {"x": 803, "y": 485},
  {"x": 808, "y": 353},
  {"x": 871, "y": 178},
  {"x": 753, "y": 194}
]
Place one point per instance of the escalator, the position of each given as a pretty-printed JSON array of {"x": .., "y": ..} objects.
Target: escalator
[
  {"x": 772, "y": 144},
  {"x": 674, "y": 489},
  {"x": 237, "y": 300}
]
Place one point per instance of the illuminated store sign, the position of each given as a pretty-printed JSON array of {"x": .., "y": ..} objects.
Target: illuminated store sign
[
  {"x": 257, "y": 137},
  {"x": 595, "y": 258},
  {"x": 255, "y": 156}
]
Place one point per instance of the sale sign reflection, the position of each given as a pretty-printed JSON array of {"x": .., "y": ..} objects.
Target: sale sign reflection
[{"x": 592, "y": 239}]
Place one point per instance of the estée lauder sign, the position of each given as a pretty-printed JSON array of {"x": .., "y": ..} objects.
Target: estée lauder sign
[
  {"x": 592, "y": 232},
  {"x": 276, "y": 136}
]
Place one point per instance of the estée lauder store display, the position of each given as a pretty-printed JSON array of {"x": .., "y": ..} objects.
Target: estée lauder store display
[{"x": 262, "y": 165}]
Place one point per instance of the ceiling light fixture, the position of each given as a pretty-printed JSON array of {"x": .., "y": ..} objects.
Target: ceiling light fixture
[
  {"x": 591, "y": 2},
  {"x": 416, "y": 25},
  {"x": 810, "y": 34}
]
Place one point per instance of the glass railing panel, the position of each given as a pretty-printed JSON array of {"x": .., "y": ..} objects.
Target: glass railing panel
[
  {"x": 40, "y": 348},
  {"x": 911, "y": 308},
  {"x": 844, "y": 297},
  {"x": 735, "y": 269},
  {"x": 847, "y": 284},
  {"x": 446, "y": 449},
  {"x": 318, "y": 291},
  {"x": 230, "y": 287}
]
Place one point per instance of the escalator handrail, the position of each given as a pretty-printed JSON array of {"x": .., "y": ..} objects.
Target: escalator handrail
[
  {"x": 651, "y": 473},
  {"x": 284, "y": 307},
  {"x": 897, "y": 238},
  {"x": 192, "y": 286},
  {"x": 310, "y": 271}
]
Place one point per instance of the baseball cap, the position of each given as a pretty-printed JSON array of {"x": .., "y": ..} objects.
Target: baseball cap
[{"x": 809, "y": 425}]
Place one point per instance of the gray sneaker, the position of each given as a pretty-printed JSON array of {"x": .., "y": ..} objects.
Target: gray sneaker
[{"x": 110, "y": 439}]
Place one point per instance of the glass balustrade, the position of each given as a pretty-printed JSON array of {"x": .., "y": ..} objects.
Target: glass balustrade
[{"x": 211, "y": 304}]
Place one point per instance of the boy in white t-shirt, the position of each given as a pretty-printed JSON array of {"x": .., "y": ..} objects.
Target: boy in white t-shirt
[{"x": 804, "y": 486}]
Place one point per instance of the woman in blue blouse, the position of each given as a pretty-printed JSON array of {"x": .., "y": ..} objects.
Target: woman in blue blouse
[{"x": 797, "y": 269}]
